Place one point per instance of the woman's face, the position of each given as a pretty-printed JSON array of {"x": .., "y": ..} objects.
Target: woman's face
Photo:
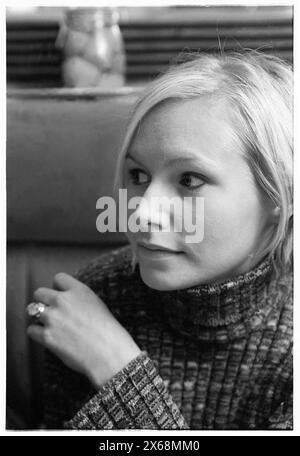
[{"x": 188, "y": 148}]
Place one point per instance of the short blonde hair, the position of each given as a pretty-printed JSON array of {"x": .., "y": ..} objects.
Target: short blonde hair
[{"x": 259, "y": 89}]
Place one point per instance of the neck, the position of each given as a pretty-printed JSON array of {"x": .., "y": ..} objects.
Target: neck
[{"x": 225, "y": 311}]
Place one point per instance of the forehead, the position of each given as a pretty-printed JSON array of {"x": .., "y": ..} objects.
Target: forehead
[{"x": 201, "y": 125}]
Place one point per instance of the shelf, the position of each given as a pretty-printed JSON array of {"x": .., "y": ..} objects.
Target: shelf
[{"x": 67, "y": 93}]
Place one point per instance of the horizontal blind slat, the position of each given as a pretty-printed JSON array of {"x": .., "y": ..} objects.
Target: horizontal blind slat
[
  {"x": 160, "y": 46},
  {"x": 199, "y": 32}
]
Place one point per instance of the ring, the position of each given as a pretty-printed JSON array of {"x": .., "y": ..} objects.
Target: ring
[{"x": 35, "y": 310}]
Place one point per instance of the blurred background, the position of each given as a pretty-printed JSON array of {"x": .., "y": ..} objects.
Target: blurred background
[
  {"x": 152, "y": 37},
  {"x": 73, "y": 76}
]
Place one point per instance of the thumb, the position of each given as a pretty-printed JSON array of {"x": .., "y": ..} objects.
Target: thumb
[{"x": 64, "y": 282}]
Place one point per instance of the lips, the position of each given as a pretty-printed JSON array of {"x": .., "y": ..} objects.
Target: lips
[{"x": 156, "y": 247}]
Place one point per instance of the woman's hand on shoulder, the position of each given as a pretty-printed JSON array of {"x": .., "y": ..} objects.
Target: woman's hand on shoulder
[{"x": 77, "y": 326}]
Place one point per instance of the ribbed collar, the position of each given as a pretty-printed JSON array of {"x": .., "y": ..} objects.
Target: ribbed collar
[{"x": 222, "y": 312}]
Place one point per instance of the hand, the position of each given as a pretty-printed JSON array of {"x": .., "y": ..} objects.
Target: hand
[{"x": 79, "y": 328}]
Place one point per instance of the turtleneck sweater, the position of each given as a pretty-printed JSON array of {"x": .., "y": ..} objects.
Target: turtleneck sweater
[{"x": 212, "y": 356}]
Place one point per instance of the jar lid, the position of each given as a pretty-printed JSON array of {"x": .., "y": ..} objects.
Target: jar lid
[{"x": 87, "y": 19}]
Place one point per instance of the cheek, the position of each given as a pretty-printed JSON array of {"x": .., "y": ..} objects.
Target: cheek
[{"x": 233, "y": 219}]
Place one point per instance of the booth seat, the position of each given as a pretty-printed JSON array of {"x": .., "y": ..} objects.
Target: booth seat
[{"x": 62, "y": 147}]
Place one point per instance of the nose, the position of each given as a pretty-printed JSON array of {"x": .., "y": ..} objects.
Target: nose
[{"x": 153, "y": 211}]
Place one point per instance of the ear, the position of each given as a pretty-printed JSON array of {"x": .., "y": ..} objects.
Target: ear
[{"x": 275, "y": 213}]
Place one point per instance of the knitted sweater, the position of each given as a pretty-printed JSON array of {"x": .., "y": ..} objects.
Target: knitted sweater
[{"x": 212, "y": 356}]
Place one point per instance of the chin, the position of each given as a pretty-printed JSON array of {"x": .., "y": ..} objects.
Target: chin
[
  {"x": 159, "y": 281},
  {"x": 167, "y": 281}
]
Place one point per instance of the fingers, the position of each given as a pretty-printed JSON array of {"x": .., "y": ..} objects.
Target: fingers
[
  {"x": 38, "y": 334},
  {"x": 61, "y": 282},
  {"x": 64, "y": 282},
  {"x": 45, "y": 295}
]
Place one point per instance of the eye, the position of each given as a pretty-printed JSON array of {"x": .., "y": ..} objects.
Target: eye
[
  {"x": 191, "y": 181},
  {"x": 138, "y": 177}
]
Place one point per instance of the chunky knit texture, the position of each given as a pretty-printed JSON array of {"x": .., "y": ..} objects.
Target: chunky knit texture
[{"x": 213, "y": 356}]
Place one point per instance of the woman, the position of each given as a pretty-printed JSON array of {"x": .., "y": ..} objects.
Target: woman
[{"x": 168, "y": 334}]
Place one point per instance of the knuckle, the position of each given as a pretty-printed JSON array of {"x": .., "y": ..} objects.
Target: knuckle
[
  {"x": 60, "y": 302},
  {"x": 60, "y": 299},
  {"x": 52, "y": 316}
]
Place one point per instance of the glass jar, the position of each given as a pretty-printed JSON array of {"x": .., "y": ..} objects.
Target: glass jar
[{"x": 93, "y": 48}]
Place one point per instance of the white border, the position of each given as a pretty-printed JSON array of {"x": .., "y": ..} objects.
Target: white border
[{"x": 22, "y": 4}]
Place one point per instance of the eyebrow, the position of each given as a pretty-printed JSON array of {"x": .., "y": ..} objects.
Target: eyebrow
[
  {"x": 134, "y": 159},
  {"x": 184, "y": 157}
]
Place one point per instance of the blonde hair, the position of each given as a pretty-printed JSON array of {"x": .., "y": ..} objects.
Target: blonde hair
[{"x": 259, "y": 88}]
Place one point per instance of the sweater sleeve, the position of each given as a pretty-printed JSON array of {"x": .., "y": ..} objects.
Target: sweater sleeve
[{"x": 135, "y": 398}]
